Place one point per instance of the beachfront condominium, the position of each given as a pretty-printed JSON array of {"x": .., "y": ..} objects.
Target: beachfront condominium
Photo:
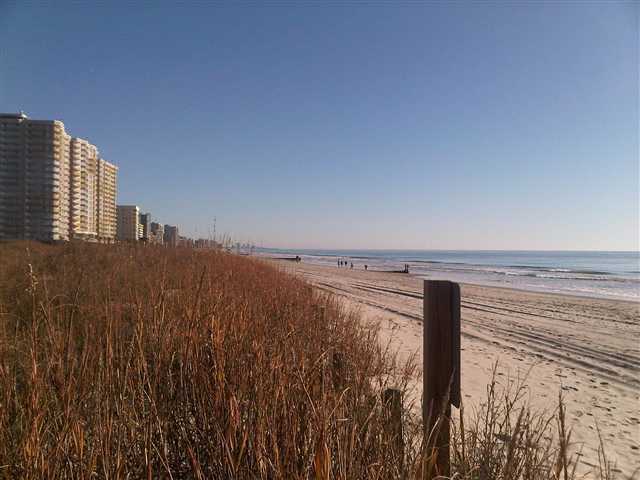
[
  {"x": 92, "y": 209},
  {"x": 34, "y": 179},
  {"x": 93, "y": 194},
  {"x": 128, "y": 225},
  {"x": 50, "y": 183},
  {"x": 83, "y": 221},
  {"x": 107, "y": 189}
]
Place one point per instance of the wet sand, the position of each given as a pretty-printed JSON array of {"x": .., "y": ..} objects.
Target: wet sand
[{"x": 587, "y": 348}]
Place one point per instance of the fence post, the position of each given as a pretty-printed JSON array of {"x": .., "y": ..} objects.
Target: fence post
[
  {"x": 338, "y": 370},
  {"x": 392, "y": 400},
  {"x": 441, "y": 366}
]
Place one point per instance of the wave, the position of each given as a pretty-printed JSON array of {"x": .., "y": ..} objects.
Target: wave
[
  {"x": 558, "y": 269},
  {"x": 439, "y": 262},
  {"x": 542, "y": 273},
  {"x": 494, "y": 268}
]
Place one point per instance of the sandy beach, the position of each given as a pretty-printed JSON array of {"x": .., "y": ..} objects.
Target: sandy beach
[{"x": 588, "y": 348}]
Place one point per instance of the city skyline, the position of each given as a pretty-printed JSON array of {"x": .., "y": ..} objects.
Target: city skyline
[
  {"x": 53, "y": 186},
  {"x": 57, "y": 187},
  {"x": 425, "y": 127}
]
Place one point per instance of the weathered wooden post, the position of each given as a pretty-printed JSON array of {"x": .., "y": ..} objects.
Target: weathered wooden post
[
  {"x": 441, "y": 366},
  {"x": 338, "y": 370},
  {"x": 392, "y": 400}
]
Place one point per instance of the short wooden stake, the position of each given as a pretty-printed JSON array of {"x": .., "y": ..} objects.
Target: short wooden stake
[
  {"x": 338, "y": 370},
  {"x": 392, "y": 400}
]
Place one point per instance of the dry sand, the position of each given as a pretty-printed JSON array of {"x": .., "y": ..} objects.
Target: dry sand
[{"x": 589, "y": 348}]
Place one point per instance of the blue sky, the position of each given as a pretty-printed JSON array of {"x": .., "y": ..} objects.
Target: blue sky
[{"x": 435, "y": 125}]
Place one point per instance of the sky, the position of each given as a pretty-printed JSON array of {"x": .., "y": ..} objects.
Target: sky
[{"x": 502, "y": 125}]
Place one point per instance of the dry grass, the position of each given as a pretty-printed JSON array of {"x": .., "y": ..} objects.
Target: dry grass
[{"x": 142, "y": 362}]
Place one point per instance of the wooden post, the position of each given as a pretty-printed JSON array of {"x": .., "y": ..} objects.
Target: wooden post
[
  {"x": 338, "y": 370},
  {"x": 441, "y": 366},
  {"x": 392, "y": 400},
  {"x": 320, "y": 311}
]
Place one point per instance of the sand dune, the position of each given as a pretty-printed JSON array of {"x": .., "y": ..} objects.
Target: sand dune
[{"x": 589, "y": 348}]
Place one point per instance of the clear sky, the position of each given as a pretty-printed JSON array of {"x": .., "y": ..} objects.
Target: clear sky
[{"x": 435, "y": 125}]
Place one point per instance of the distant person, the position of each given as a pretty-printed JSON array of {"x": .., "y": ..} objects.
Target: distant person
[
  {"x": 351, "y": 265},
  {"x": 366, "y": 266}
]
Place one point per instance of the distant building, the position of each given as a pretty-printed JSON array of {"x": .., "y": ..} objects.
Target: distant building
[
  {"x": 156, "y": 234},
  {"x": 204, "y": 243},
  {"x": 171, "y": 236},
  {"x": 185, "y": 242},
  {"x": 52, "y": 186},
  {"x": 145, "y": 223},
  {"x": 128, "y": 227}
]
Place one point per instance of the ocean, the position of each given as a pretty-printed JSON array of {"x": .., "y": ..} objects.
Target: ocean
[{"x": 592, "y": 274}]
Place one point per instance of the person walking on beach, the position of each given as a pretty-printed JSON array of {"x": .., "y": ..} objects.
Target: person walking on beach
[
  {"x": 366, "y": 266},
  {"x": 351, "y": 265}
]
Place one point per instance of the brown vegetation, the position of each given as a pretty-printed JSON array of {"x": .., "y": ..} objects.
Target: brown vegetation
[{"x": 143, "y": 362}]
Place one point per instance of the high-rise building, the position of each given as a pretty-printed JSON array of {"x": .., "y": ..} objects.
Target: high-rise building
[
  {"x": 107, "y": 214},
  {"x": 171, "y": 236},
  {"x": 145, "y": 223},
  {"x": 34, "y": 179},
  {"x": 128, "y": 227},
  {"x": 156, "y": 234},
  {"x": 53, "y": 186},
  {"x": 83, "y": 222}
]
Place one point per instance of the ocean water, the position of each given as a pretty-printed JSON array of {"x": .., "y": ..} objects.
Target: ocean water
[{"x": 593, "y": 274}]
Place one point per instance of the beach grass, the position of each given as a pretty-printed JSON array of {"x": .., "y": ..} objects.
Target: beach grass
[{"x": 123, "y": 361}]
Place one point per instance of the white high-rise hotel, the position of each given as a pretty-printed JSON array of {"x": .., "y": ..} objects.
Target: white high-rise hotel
[{"x": 53, "y": 186}]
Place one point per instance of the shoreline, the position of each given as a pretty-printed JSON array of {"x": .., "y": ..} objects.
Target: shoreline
[
  {"x": 587, "y": 348},
  {"x": 576, "y": 296},
  {"x": 471, "y": 284}
]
